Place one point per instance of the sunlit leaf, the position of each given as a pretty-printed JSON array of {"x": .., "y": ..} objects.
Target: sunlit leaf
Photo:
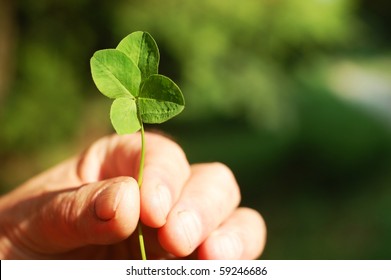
[
  {"x": 115, "y": 74},
  {"x": 142, "y": 49},
  {"x": 128, "y": 74},
  {"x": 160, "y": 99},
  {"x": 123, "y": 115}
]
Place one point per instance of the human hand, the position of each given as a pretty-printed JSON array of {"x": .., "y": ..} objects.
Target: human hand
[{"x": 88, "y": 208}]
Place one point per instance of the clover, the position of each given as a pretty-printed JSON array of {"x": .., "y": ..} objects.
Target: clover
[{"x": 129, "y": 75}]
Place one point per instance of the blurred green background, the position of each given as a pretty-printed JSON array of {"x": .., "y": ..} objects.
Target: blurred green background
[{"x": 293, "y": 95}]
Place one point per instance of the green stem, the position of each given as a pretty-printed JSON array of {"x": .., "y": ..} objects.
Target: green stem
[
  {"x": 140, "y": 181},
  {"x": 142, "y": 158}
]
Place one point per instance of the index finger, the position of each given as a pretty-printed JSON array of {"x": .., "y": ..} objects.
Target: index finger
[{"x": 166, "y": 170}]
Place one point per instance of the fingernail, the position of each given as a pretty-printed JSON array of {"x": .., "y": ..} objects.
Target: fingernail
[
  {"x": 191, "y": 227},
  {"x": 107, "y": 201},
  {"x": 228, "y": 246}
]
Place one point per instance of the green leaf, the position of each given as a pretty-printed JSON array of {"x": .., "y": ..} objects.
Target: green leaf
[
  {"x": 123, "y": 115},
  {"x": 115, "y": 74},
  {"x": 143, "y": 51},
  {"x": 160, "y": 99}
]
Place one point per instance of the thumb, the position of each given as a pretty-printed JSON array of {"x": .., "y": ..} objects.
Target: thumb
[{"x": 104, "y": 212}]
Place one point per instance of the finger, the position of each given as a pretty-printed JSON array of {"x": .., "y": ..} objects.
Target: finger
[
  {"x": 165, "y": 172},
  {"x": 210, "y": 196},
  {"x": 242, "y": 236},
  {"x": 110, "y": 157},
  {"x": 105, "y": 212}
]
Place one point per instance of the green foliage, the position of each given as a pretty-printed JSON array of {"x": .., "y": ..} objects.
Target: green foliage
[
  {"x": 160, "y": 99},
  {"x": 128, "y": 74},
  {"x": 141, "y": 48},
  {"x": 233, "y": 61},
  {"x": 238, "y": 61},
  {"x": 123, "y": 115},
  {"x": 115, "y": 74},
  {"x": 34, "y": 109}
]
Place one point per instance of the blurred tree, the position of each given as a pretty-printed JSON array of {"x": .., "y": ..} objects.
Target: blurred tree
[
  {"x": 7, "y": 36},
  {"x": 233, "y": 60},
  {"x": 236, "y": 59}
]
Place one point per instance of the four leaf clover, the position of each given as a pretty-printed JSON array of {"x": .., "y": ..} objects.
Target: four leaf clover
[{"x": 129, "y": 75}]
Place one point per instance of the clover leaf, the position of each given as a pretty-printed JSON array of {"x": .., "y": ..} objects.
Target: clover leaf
[{"x": 129, "y": 75}]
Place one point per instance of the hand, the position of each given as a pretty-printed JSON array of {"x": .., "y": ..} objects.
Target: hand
[{"x": 88, "y": 208}]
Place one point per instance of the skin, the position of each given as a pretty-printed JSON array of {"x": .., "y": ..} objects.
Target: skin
[{"x": 88, "y": 207}]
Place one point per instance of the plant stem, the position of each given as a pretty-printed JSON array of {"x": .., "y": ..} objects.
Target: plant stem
[
  {"x": 141, "y": 241},
  {"x": 140, "y": 181}
]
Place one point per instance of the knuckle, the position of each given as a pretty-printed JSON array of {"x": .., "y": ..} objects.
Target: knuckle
[
  {"x": 222, "y": 169},
  {"x": 227, "y": 178},
  {"x": 167, "y": 153}
]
